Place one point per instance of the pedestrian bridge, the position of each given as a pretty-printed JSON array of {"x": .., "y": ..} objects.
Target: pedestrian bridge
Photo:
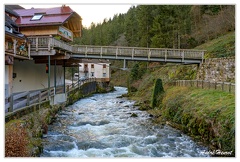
[
  {"x": 53, "y": 46},
  {"x": 139, "y": 54}
]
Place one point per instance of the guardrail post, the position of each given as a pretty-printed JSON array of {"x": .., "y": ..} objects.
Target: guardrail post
[
  {"x": 165, "y": 55},
  {"x": 149, "y": 54},
  {"x": 132, "y": 53},
  {"x": 230, "y": 87},
  {"x": 11, "y": 104},
  {"x": 86, "y": 51},
  {"x": 39, "y": 97},
  {"x": 116, "y": 52},
  {"x": 28, "y": 99},
  {"x": 182, "y": 53}
]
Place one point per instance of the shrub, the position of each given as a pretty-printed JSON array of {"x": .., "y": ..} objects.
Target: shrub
[
  {"x": 16, "y": 141},
  {"x": 158, "y": 90}
]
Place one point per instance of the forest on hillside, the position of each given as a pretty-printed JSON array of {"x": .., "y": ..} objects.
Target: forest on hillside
[{"x": 162, "y": 26}]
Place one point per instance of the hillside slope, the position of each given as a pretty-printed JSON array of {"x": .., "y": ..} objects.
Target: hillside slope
[{"x": 223, "y": 46}]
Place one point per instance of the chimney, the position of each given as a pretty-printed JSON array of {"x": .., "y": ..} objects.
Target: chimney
[{"x": 64, "y": 8}]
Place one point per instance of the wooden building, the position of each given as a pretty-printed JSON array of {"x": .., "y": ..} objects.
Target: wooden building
[
  {"x": 60, "y": 22},
  {"x": 16, "y": 47},
  {"x": 37, "y": 48}
]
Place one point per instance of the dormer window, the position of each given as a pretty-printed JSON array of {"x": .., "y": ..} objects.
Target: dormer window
[{"x": 36, "y": 17}]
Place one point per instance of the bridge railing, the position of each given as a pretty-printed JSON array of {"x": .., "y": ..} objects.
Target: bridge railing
[
  {"x": 138, "y": 52},
  {"x": 48, "y": 43}
]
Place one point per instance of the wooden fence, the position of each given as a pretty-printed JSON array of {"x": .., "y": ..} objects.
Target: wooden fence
[
  {"x": 27, "y": 98},
  {"x": 221, "y": 86}
]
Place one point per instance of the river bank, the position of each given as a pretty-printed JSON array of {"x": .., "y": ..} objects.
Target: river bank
[
  {"x": 25, "y": 131},
  {"x": 206, "y": 115}
]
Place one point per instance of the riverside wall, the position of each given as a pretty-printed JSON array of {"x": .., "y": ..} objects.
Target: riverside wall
[{"x": 217, "y": 70}]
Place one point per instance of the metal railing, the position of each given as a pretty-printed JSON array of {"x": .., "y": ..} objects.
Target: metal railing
[{"x": 221, "y": 86}]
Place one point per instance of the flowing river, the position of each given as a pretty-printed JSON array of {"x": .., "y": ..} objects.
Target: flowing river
[{"x": 106, "y": 126}]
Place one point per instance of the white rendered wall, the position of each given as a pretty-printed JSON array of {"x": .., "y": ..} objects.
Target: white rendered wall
[
  {"x": 98, "y": 70},
  {"x": 31, "y": 76}
]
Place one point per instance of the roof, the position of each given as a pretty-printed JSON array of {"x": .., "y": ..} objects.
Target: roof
[
  {"x": 63, "y": 15},
  {"x": 9, "y": 22},
  {"x": 10, "y": 9},
  {"x": 53, "y": 16}
]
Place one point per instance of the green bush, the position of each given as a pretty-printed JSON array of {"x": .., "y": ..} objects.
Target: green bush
[{"x": 157, "y": 91}]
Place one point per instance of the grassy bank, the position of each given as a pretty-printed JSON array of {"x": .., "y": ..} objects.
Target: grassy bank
[
  {"x": 206, "y": 115},
  {"x": 223, "y": 46}
]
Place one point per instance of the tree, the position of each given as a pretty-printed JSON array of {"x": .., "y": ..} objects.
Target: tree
[{"x": 157, "y": 91}]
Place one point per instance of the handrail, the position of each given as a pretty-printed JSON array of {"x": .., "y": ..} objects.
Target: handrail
[
  {"x": 16, "y": 101},
  {"x": 48, "y": 43},
  {"x": 22, "y": 99}
]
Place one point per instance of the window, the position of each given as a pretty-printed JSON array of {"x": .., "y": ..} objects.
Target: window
[
  {"x": 104, "y": 65},
  {"x": 92, "y": 65},
  {"x": 36, "y": 17},
  {"x": 92, "y": 74},
  {"x": 104, "y": 75}
]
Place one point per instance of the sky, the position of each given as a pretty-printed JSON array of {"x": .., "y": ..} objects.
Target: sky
[{"x": 90, "y": 12}]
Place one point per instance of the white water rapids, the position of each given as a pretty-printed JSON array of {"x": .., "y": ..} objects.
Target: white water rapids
[{"x": 102, "y": 126}]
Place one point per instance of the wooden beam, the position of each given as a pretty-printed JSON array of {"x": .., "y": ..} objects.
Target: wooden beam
[
  {"x": 69, "y": 62},
  {"x": 43, "y": 53},
  {"x": 54, "y": 57}
]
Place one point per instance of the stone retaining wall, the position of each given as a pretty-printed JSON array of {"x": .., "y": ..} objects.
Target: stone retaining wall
[{"x": 217, "y": 70}]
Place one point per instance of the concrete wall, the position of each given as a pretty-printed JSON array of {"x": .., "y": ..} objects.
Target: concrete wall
[
  {"x": 31, "y": 76},
  {"x": 8, "y": 80},
  {"x": 217, "y": 70}
]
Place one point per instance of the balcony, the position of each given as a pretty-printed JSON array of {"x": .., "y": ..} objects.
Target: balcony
[{"x": 15, "y": 47}]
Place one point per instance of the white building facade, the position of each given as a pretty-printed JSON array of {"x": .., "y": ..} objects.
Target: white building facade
[
  {"x": 30, "y": 76},
  {"x": 95, "y": 69}
]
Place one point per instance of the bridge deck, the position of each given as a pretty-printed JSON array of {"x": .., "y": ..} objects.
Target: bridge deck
[{"x": 117, "y": 52}]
